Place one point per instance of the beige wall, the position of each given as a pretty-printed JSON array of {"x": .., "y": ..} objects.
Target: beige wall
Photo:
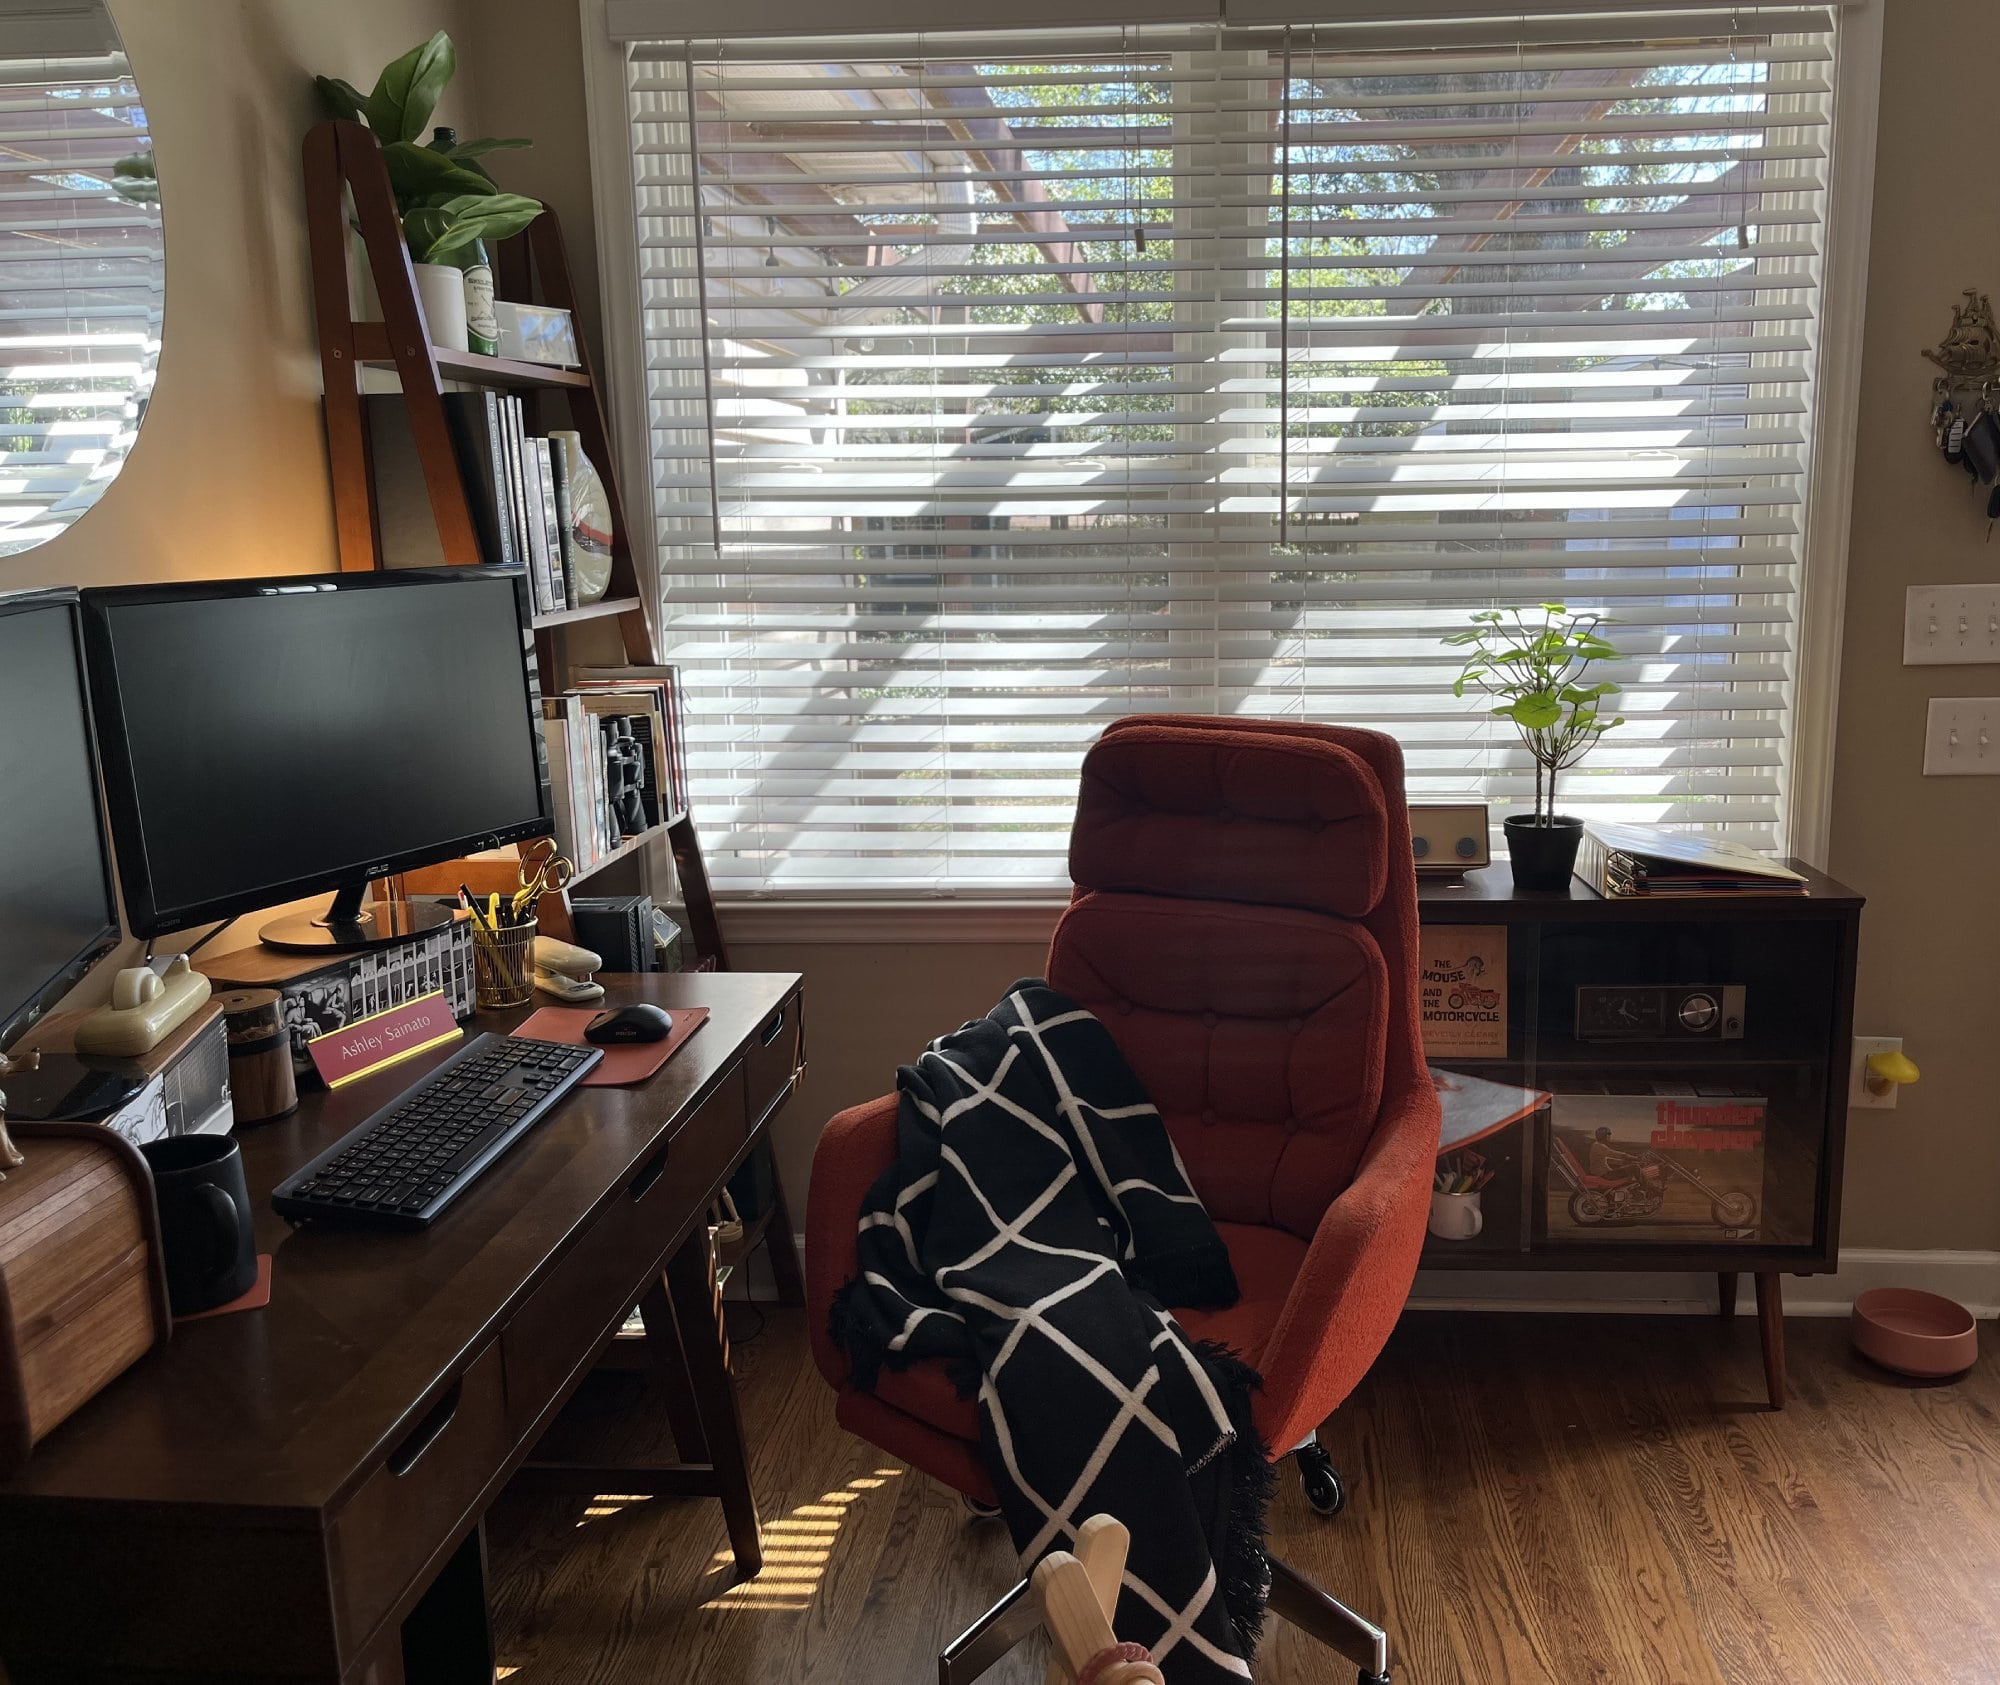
[
  {"x": 1922, "y": 849},
  {"x": 229, "y": 476}
]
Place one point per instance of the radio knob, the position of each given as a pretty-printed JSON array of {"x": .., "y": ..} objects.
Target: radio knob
[
  {"x": 1420, "y": 846},
  {"x": 1468, "y": 848},
  {"x": 1698, "y": 1011}
]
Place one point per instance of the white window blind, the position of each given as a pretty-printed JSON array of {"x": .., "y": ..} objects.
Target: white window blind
[{"x": 1002, "y": 385}]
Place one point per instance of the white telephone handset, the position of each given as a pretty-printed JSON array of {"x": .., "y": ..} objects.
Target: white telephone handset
[{"x": 145, "y": 1008}]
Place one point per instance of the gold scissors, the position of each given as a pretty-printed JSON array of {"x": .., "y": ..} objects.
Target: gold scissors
[{"x": 543, "y": 868}]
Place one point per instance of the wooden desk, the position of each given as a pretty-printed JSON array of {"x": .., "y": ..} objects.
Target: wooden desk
[{"x": 273, "y": 1494}]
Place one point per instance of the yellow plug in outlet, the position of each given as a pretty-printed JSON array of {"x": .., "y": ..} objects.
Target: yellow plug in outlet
[{"x": 1880, "y": 1068}]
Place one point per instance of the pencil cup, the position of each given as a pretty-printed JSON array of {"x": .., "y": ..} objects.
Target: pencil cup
[
  {"x": 1456, "y": 1216},
  {"x": 503, "y": 964}
]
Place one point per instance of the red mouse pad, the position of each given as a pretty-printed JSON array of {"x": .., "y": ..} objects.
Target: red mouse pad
[{"x": 634, "y": 1062}]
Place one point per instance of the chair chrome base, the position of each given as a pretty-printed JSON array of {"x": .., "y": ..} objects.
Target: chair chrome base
[{"x": 1293, "y": 1597}]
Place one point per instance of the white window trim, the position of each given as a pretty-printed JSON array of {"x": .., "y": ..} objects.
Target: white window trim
[{"x": 765, "y": 918}]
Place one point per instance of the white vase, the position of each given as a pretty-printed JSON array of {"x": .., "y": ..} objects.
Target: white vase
[{"x": 441, "y": 288}]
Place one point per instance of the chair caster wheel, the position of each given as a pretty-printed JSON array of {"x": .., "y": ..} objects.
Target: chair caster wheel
[
  {"x": 1322, "y": 1485},
  {"x": 976, "y": 1511}
]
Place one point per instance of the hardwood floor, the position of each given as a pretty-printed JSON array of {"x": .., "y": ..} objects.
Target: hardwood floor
[{"x": 1558, "y": 1499}]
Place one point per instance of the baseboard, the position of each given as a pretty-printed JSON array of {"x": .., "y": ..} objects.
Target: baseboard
[{"x": 1972, "y": 1278}]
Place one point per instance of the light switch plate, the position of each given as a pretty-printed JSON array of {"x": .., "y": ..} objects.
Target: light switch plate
[
  {"x": 1962, "y": 737},
  {"x": 1948, "y": 624}
]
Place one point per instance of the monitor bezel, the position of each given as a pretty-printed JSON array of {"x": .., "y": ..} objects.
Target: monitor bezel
[
  {"x": 143, "y": 913},
  {"x": 74, "y": 970}
]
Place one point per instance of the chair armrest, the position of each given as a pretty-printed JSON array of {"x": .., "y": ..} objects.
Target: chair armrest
[
  {"x": 1357, "y": 1273},
  {"x": 854, "y": 1149}
]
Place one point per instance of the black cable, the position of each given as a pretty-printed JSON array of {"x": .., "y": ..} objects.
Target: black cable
[{"x": 189, "y": 953}]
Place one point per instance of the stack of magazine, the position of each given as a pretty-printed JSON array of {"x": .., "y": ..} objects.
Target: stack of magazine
[{"x": 1624, "y": 861}]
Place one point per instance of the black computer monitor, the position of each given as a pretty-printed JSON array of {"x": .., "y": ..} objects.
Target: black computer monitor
[
  {"x": 264, "y": 739},
  {"x": 57, "y": 914}
]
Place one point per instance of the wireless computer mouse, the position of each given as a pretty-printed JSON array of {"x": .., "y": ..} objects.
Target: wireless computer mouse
[{"x": 622, "y": 1024}]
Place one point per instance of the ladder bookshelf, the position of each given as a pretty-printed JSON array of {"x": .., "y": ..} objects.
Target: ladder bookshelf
[{"x": 343, "y": 165}]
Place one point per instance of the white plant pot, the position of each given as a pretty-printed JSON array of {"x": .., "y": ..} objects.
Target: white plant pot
[{"x": 442, "y": 290}]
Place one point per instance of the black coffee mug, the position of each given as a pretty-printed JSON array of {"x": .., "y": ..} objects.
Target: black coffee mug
[{"x": 205, "y": 1227}]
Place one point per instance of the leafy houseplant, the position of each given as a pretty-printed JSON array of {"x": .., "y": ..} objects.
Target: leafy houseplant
[
  {"x": 1536, "y": 666},
  {"x": 449, "y": 205}
]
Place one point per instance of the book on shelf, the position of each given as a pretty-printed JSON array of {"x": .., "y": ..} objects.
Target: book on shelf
[
  {"x": 404, "y": 517},
  {"x": 1626, "y": 861},
  {"x": 539, "y": 566},
  {"x": 565, "y": 516},
  {"x": 517, "y": 517}
]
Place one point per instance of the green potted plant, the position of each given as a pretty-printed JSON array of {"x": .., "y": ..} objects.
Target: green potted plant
[
  {"x": 450, "y": 206},
  {"x": 1536, "y": 667}
]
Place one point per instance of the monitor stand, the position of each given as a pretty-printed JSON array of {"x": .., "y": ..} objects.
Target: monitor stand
[{"x": 354, "y": 923}]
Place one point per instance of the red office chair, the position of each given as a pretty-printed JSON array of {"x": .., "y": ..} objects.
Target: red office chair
[{"x": 1245, "y": 924}]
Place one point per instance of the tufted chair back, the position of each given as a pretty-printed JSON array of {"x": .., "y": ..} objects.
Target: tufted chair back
[{"x": 1237, "y": 926}]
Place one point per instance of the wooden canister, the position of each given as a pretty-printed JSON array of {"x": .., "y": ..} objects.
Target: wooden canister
[
  {"x": 261, "y": 1082},
  {"x": 82, "y": 1295}
]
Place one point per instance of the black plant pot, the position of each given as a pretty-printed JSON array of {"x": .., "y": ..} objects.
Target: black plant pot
[{"x": 1544, "y": 852}]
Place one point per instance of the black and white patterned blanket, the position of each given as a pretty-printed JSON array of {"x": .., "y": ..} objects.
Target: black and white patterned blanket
[{"x": 1032, "y": 1225}]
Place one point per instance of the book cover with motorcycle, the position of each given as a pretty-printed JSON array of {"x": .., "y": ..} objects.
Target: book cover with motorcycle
[
  {"x": 1462, "y": 990},
  {"x": 1673, "y": 1163}
]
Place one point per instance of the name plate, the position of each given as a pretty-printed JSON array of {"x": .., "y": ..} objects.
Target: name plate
[{"x": 370, "y": 1044}]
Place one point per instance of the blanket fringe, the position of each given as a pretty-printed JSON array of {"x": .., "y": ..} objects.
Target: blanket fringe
[{"x": 1241, "y": 1565}]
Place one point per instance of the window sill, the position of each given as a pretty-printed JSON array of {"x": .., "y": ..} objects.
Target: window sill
[{"x": 758, "y": 921}]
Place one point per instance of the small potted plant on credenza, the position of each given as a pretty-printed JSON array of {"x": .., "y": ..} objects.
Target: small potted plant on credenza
[{"x": 1536, "y": 666}]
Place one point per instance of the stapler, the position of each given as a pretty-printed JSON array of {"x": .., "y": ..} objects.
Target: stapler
[
  {"x": 146, "y": 1006},
  {"x": 564, "y": 970}
]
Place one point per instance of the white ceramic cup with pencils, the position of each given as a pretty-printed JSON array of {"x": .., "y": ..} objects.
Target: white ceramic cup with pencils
[{"x": 1456, "y": 1216}]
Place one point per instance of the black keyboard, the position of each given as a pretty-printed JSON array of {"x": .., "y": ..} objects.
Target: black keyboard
[{"x": 416, "y": 1155}]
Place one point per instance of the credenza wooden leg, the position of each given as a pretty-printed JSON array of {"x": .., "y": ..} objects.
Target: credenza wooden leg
[
  {"x": 1725, "y": 1293},
  {"x": 691, "y": 1291},
  {"x": 1771, "y": 1332},
  {"x": 448, "y": 1637}
]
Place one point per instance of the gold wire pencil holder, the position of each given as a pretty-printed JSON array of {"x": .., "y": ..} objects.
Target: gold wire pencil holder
[{"x": 503, "y": 963}]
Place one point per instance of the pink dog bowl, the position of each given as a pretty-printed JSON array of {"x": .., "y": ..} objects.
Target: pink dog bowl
[{"x": 1914, "y": 1333}]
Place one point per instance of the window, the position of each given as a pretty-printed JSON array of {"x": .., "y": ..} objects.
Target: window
[{"x": 1001, "y": 385}]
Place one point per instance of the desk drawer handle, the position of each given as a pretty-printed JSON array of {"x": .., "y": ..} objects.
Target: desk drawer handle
[
  {"x": 771, "y": 1029},
  {"x": 642, "y": 1183},
  {"x": 427, "y": 1432}
]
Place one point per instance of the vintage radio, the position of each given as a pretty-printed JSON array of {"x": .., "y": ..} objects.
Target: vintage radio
[
  {"x": 1659, "y": 1012},
  {"x": 180, "y": 1087},
  {"x": 1448, "y": 839}
]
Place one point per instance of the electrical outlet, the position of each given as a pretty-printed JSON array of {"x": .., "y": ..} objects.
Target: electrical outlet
[
  {"x": 1858, "y": 1091},
  {"x": 1946, "y": 624},
  {"x": 1962, "y": 736}
]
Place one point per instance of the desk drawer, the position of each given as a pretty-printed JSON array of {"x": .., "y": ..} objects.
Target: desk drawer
[
  {"x": 409, "y": 1506},
  {"x": 773, "y": 1059},
  {"x": 600, "y": 1278}
]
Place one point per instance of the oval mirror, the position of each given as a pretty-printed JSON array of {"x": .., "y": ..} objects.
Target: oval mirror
[{"x": 81, "y": 276}]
